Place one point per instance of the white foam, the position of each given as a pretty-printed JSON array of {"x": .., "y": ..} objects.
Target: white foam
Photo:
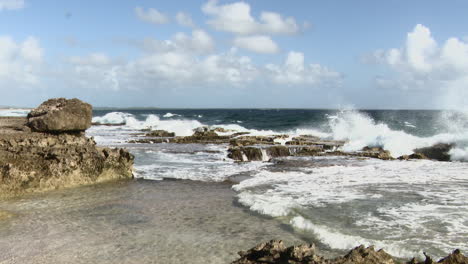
[
  {"x": 113, "y": 118},
  {"x": 360, "y": 130},
  {"x": 168, "y": 115},
  {"x": 339, "y": 240},
  {"x": 441, "y": 186},
  {"x": 459, "y": 154},
  {"x": 200, "y": 166},
  {"x": 408, "y": 124},
  {"x": 181, "y": 127},
  {"x": 14, "y": 112}
]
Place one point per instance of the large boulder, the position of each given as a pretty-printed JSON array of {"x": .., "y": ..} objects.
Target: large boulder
[{"x": 60, "y": 115}]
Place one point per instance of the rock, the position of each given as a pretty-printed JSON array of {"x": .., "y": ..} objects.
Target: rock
[
  {"x": 37, "y": 162},
  {"x": 60, "y": 115},
  {"x": 160, "y": 133},
  {"x": 412, "y": 156},
  {"x": 438, "y": 152},
  {"x": 275, "y": 252},
  {"x": 455, "y": 258},
  {"x": 375, "y": 152},
  {"x": 252, "y": 140},
  {"x": 365, "y": 255},
  {"x": 278, "y": 151}
]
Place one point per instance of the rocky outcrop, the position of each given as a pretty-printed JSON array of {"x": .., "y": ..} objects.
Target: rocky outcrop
[
  {"x": 266, "y": 152},
  {"x": 160, "y": 133},
  {"x": 275, "y": 252},
  {"x": 438, "y": 152},
  {"x": 60, "y": 115},
  {"x": 38, "y": 161}
]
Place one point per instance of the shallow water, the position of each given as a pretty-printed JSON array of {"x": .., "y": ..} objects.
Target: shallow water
[{"x": 138, "y": 221}]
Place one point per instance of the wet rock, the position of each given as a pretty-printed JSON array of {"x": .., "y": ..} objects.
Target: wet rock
[
  {"x": 413, "y": 156},
  {"x": 438, "y": 152},
  {"x": 252, "y": 140},
  {"x": 278, "y": 151},
  {"x": 160, "y": 133},
  {"x": 60, "y": 115},
  {"x": 375, "y": 152}
]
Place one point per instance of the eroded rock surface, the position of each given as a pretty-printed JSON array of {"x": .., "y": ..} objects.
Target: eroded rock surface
[
  {"x": 61, "y": 115},
  {"x": 39, "y": 161},
  {"x": 275, "y": 252}
]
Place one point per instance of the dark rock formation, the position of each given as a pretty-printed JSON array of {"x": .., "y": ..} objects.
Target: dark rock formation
[
  {"x": 275, "y": 252},
  {"x": 36, "y": 161},
  {"x": 61, "y": 115},
  {"x": 438, "y": 152},
  {"x": 160, "y": 133}
]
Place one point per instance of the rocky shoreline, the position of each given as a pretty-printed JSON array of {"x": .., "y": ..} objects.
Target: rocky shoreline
[
  {"x": 275, "y": 252},
  {"x": 49, "y": 150},
  {"x": 244, "y": 147}
]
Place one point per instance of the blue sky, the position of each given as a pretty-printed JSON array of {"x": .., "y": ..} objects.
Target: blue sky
[{"x": 262, "y": 53}]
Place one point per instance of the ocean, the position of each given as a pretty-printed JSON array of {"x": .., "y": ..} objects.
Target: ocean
[
  {"x": 337, "y": 202},
  {"x": 404, "y": 207}
]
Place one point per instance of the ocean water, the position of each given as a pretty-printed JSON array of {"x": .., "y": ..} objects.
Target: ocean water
[{"x": 404, "y": 207}]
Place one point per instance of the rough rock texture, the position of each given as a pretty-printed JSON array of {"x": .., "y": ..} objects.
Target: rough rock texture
[
  {"x": 160, "y": 133},
  {"x": 61, "y": 115},
  {"x": 36, "y": 161},
  {"x": 275, "y": 252},
  {"x": 437, "y": 152}
]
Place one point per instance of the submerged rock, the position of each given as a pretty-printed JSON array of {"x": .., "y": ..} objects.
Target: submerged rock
[
  {"x": 275, "y": 252},
  {"x": 60, "y": 115}
]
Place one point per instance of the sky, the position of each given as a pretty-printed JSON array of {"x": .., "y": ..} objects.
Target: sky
[{"x": 236, "y": 54}]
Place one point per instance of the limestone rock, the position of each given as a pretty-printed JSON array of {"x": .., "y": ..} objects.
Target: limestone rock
[{"x": 60, "y": 115}]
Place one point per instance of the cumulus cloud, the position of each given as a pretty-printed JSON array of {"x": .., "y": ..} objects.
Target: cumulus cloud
[
  {"x": 184, "y": 19},
  {"x": 236, "y": 18},
  {"x": 11, "y": 4},
  {"x": 151, "y": 15},
  {"x": 424, "y": 64},
  {"x": 257, "y": 43},
  {"x": 294, "y": 71},
  {"x": 183, "y": 69},
  {"x": 20, "y": 61}
]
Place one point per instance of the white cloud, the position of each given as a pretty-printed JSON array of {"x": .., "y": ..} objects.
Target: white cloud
[
  {"x": 423, "y": 63},
  {"x": 236, "y": 18},
  {"x": 11, "y": 4},
  {"x": 199, "y": 42},
  {"x": 151, "y": 15},
  {"x": 439, "y": 69},
  {"x": 20, "y": 62},
  {"x": 294, "y": 71},
  {"x": 184, "y": 19},
  {"x": 257, "y": 43},
  {"x": 182, "y": 69}
]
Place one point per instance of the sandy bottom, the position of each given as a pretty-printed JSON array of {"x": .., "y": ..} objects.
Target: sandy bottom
[{"x": 137, "y": 221}]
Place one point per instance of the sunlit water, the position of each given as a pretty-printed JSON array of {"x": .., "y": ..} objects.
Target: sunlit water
[
  {"x": 198, "y": 206},
  {"x": 133, "y": 222}
]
